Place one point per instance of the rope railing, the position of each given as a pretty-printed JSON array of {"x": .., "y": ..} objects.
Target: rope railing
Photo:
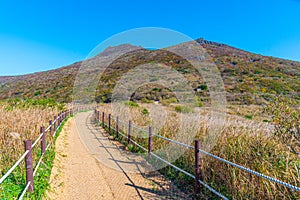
[
  {"x": 48, "y": 128},
  {"x": 24, "y": 191},
  {"x": 149, "y": 149},
  {"x": 56, "y": 123},
  {"x": 223, "y": 160},
  {"x": 190, "y": 175},
  {"x": 14, "y": 166},
  {"x": 119, "y": 132},
  {"x": 127, "y": 137},
  {"x": 60, "y": 118},
  {"x": 197, "y": 150},
  {"x": 138, "y": 128},
  {"x": 37, "y": 140},
  {"x": 173, "y": 141},
  {"x": 161, "y": 137},
  {"x": 40, "y": 160},
  {"x": 134, "y": 142},
  {"x": 250, "y": 171}
]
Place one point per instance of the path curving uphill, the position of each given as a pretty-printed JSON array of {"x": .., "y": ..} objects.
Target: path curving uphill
[{"x": 90, "y": 166}]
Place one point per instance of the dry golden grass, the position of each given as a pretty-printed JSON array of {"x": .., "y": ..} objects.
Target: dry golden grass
[
  {"x": 17, "y": 125},
  {"x": 242, "y": 141}
]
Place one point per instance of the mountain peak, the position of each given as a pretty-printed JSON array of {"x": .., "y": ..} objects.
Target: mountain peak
[
  {"x": 203, "y": 41},
  {"x": 244, "y": 74}
]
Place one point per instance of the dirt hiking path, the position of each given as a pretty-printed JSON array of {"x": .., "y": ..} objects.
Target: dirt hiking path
[{"x": 90, "y": 166}]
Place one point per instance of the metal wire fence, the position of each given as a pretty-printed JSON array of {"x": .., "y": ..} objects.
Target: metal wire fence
[
  {"x": 27, "y": 155},
  {"x": 128, "y": 135}
]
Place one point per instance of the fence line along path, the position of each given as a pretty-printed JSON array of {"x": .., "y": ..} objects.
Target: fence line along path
[
  {"x": 90, "y": 166},
  {"x": 28, "y": 154},
  {"x": 49, "y": 132},
  {"x": 106, "y": 122}
]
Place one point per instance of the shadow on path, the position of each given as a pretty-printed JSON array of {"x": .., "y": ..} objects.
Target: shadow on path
[{"x": 129, "y": 164}]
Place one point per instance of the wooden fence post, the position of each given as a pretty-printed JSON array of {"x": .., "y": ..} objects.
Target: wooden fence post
[
  {"x": 150, "y": 143},
  {"x": 117, "y": 127},
  {"x": 109, "y": 122},
  {"x": 29, "y": 165},
  {"x": 198, "y": 174},
  {"x": 43, "y": 141},
  {"x": 58, "y": 119},
  {"x": 102, "y": 119},
  {"x": 54, "y": 125},
  {"x": 51, "y": 127},
  {"x": 129, "y": 132}
]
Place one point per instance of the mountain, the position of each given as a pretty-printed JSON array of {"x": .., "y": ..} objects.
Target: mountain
[
  {"x": 50, "y": 84},
  {"x": 248, "y": 78}
]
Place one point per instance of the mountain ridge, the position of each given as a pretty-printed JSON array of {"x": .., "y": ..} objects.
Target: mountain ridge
[{"x": 239, "y": 69}]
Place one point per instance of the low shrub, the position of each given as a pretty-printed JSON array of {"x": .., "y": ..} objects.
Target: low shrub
[
  {"x": 131, "y": 103},
  {"x": 183, "y": 109}
]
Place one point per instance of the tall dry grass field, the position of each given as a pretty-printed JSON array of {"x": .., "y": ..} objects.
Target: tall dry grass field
[
  {"x": 17, "y": 125},
  {"x": 245, "y": 142}
]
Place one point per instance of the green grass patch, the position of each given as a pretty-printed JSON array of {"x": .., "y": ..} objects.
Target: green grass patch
[
  {"x": 13, "y": 186},
  {"x": 166, "y": 102},
  {"x": 183, "y": 109},
  {"x": 145, "y": 111},
  {"x": 248, "y": 116},
  {"x": 131, "y": 103},
  {"x": 18, "y": 103}
]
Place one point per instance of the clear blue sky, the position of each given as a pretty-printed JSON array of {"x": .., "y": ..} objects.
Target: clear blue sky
[{"x": 41, "y": 35}]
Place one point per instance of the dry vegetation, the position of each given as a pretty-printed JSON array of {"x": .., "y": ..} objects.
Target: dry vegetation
[
  {"x": 248, "y": 78},
  {"x": 250, "y": 81},
  {"x": 242, "y": 141},
  {"x": 18, "y": 124}
]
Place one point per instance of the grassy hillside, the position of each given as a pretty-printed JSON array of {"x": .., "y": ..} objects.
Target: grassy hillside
[
  {"x": 56, "y": 84},
  {"x": 249, "y": 78}
]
